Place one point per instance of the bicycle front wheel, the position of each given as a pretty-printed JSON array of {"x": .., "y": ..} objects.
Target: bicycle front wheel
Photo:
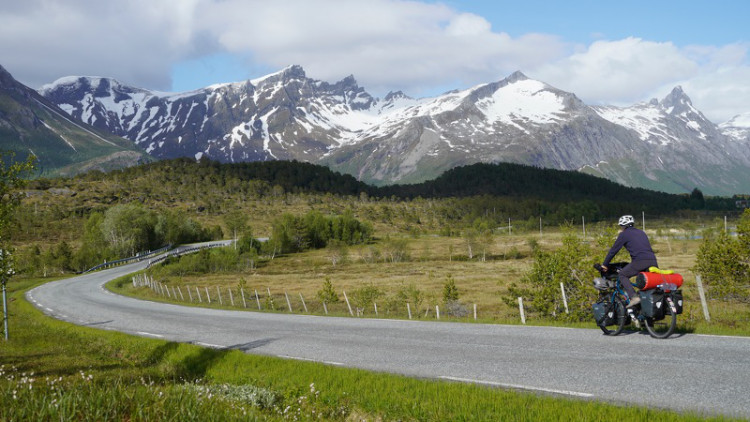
[
  {"x": 619, "y": 316},
  {"x": 663, "y": 328}
]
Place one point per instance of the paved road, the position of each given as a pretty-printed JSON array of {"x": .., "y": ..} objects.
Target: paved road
[{"x": 709, "y": 374}]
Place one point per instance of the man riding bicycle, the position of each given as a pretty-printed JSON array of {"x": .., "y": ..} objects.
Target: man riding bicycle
[{"x": 642, "y": 256}]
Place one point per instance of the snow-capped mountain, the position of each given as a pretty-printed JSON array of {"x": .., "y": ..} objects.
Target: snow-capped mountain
[
  {"x": 32, "y": 125},
  {"x": 738, "y": 128},
  {"x": 281, "y": 116},
  {"x": 666, "y": 145}
]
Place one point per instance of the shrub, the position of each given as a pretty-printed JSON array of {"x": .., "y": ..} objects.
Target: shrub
[
  {"x": 571, "y": 264},
  {"x": 724, "y": 263},
  {"x": 327, "y": 294},
  {"x": 450, "y": 291}
]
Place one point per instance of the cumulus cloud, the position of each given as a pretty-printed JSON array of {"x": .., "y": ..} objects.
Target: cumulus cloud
[
  {"x": 626, "y": 71},
  {"x": 136, "y": 41},
  {"x": 386, "y": 44},
  {"x": 618, "y": 71}
]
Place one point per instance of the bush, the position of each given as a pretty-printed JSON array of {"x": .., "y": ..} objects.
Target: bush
[
  {"x": 571, "y": 264},
  {"x": 724, "y": 263},
  {"x": 450, "y": 291},
  {"x": 327, "y": 294},
  {"x": 364, "y": 297}
]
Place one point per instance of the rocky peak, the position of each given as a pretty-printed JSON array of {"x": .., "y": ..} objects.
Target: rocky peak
[
  {"x": 5, "y": 77},
  {"x": 677, "y": 102},
  {"x": 516, "y": 76},
  {"x": 393, "y": 96},
  {"x": 294, "y": 72}
]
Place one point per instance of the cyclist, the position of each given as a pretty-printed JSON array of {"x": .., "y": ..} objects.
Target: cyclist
[{"x": 642, "y": 256}]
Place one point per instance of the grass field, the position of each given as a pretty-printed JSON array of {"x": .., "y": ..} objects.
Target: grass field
[
  {"x": 52, "y": 370},
  {"x": 433, "y": 260}
]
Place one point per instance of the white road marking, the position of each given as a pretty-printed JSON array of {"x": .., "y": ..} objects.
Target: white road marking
[
  {"x": 519, "y": 387},
  {"x": 213, "y": 346},
  {"x": 143, "y": 333},
  {"x": 312, "y": 360},
  {"x": 716, "y": 335}
]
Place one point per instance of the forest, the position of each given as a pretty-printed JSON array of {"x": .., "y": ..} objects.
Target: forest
[{"x": 82, "y": 221}]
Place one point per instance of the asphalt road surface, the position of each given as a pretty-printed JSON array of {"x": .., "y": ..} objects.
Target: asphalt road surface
[{"x": 706, "y": 374}]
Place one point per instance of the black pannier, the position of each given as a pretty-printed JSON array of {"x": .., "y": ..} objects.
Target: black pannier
[
  {"x": 677, "y": 297},
  {"x": 604, "y": 313},
  {"x": 653, "y": 304}
]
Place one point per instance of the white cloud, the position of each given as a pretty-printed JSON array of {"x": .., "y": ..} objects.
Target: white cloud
[
  {"x": 618, "y": 71},
  {"x": 136, "y": 41},
  {"x": 626, "y": 71},
  {"x": 721, "y": 94},
  {"x": 386, "y": 44}
]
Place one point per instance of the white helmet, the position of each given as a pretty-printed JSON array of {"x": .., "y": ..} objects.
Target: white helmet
[{"x": 626, "y": 220}]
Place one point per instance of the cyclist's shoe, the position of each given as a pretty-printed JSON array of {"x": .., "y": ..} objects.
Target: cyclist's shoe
[{"x": 634, "y": 301}]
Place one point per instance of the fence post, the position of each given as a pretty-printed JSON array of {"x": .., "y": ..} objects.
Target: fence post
[
  {"x": 437, "y": 312},
  {"x": 408, "y": 308},
  {"x": 702, "y": 294},
  {"x": 190, "y": 295},
  {"x": 325, "y": 308},
  {"x": 231, "y": 298},
  {"x": 208, "y": 296},
  {"x": 565, "y": 298},
  {"x": 221, "y": 302},
  {"x": 257, "y": 299},
  {"x": 348, "y": 305},
  {"x": 200, "y": 300},
  {"x": 242, "y": 293},
  {"x": 288, "y": 302},
  {"x": 520, "y": 308},
  {"x": 475, "y": 312},
  {"x": 376, "y": 308},
  {"x": 181, "y": 295},
  {"x": 304, "y": 305}
]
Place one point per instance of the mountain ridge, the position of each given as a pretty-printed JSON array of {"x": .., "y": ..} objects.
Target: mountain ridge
[
  {"x": 30, "y": 124},
  {"x": 665, "y": 145}
]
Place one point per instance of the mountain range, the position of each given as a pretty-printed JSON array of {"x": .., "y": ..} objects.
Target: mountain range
[
  {"x": 32, "y": 125},
  {"x": 665, "y": 144}
]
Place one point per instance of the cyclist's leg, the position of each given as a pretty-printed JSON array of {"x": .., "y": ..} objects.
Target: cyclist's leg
[{"x": 631, "y": 270}]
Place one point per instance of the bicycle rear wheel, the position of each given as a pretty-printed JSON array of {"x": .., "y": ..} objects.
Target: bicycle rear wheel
[
  {"x": 662, "y": 329},
  {"x": 620, "y": 315}
]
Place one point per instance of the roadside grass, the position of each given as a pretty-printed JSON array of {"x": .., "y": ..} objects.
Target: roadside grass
[
  {"x": 432, "y": 261},
  {"x": 53, "y": 370}
]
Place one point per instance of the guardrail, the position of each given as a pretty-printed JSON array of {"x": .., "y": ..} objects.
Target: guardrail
[
  {"x": 180, "y": 252},
  {"x": 139, "y": 257}
]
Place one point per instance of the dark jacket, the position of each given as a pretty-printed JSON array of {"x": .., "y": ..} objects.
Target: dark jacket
[{"x": 635, "y": 242}]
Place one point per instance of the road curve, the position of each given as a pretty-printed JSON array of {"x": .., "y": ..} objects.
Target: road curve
[{"x": 707, "y": 374}]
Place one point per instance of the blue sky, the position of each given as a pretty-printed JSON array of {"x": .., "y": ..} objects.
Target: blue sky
[{"x": 603, "y": 51}]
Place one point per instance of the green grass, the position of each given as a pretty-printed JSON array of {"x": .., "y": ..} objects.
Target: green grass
[
  {"x": 52, "y": 370},
  {"x": 430, "y": 265}
]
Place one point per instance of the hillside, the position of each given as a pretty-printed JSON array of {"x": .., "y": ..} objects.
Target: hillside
[
  {"x": 666, "y": 145},
  {"x": 30, "y": 124},
  {"x": 504, "y": 182}
]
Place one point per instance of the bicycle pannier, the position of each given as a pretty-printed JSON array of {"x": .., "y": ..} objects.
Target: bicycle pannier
[
  {"x": 652, "y": 304},
  {"x": 677, "y": 297},
  {"x": 604, "y": 313}
]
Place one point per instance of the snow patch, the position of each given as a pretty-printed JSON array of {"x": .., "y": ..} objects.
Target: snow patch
[{"x": 524, "y": 100}]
